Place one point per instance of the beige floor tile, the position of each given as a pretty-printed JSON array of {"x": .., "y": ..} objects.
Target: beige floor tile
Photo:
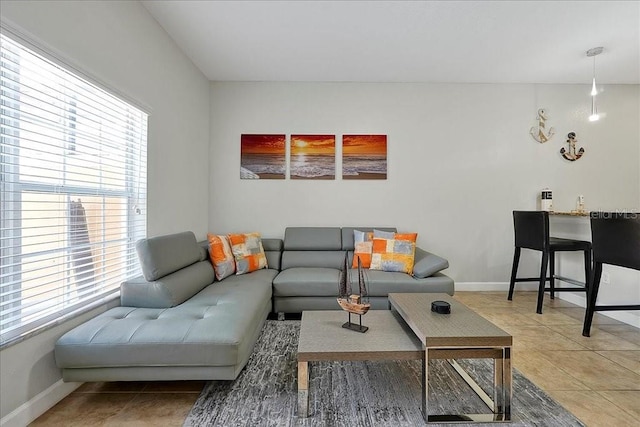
[
  {"x": 553, "y": 318},
  {"x": 592, "y": 409},
  {"x": 598, "y": 319},
  {"x": 544, "y": 373},
  {"x": 595, "y": 371},
  {"x": 629, "y": 359},
  {"x": 155, "y": 409},
  {"x": 85, "y": 409},
  {"x": 629, "y": 401},
  {"x": 503, "y": 317},
  {"x": 599, "y": 339},
  {"x": 627, "y": 332},
  {"x": 538, "y": 338}
]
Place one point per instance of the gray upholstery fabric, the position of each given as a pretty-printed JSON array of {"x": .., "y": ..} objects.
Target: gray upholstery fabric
[
  {"x": 382, "y": 283},
  {"x": 328, "y": 259},
  {"x": 163, "y": 255},
  {"x": 306, "y": 281},
  {"x": 273, "y": 252},
  {"x": 312, "y": 239},
  {"x": 214, "y": 328},
  {"x": 427, "y": 264},
  {"x": 168, "y": 291},
  {"x": 300, "y": 304},
  {"x": 347, "y": 235}
]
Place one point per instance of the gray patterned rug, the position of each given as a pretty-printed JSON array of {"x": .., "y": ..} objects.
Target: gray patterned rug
[{"x": 356, "y": 393}]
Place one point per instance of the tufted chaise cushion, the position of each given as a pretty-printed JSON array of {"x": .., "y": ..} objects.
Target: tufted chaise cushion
[{"x": 213, "y": 328}]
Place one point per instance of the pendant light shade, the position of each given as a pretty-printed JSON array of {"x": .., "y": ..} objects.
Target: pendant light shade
[{"x": 594, "y": 91}]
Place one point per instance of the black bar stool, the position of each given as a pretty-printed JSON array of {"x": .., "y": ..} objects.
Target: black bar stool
[
  {"x": 532, "y": 232},
  {"x": 616, "y": 241}
]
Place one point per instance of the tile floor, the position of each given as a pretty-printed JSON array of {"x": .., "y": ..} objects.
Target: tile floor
[{"x": 596, "y": 378}]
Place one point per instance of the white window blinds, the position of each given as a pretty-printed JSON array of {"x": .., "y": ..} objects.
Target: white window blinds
[{"x": 72, "y": 191}]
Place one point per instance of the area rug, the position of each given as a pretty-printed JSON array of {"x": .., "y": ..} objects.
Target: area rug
[{"x": 357, "y": 393}]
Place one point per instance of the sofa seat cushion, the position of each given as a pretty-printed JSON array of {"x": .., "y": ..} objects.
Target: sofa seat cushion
[
  {"x": 382, "y": 283},
  {"x": 210, "y": 329},
  {"x": 307, "y": 281}
]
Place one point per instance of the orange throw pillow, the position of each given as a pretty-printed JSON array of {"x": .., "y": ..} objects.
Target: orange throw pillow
[{"x": 224, "y": 263}]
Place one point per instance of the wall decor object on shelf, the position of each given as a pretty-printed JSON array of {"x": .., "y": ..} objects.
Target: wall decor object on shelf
[
  {"x": 571, "y": 153},
  {"x": 539, "y": 133},
  {"x": 262, "y": 156},
  {"x": 364, "y": 157},
  {"x": 313, "y": 157}
]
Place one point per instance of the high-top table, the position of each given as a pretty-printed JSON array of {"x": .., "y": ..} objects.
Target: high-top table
[{"x": 462, "y": 334}]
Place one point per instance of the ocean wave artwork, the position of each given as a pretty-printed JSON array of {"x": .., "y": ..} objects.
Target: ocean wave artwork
[
  {"x": 313, "y": 157},
  {"x": 262, "y": 156},
  {"x": 364, "y": 157}
]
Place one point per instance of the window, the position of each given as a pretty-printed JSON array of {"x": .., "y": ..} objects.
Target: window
[{"x": 72, "y": 191}]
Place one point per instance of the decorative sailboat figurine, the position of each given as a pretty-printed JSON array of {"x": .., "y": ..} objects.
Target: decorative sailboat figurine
[{"x": 353, "y": 303}]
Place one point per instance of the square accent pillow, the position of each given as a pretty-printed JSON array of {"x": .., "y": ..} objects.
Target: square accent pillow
[
  {"x": 362, "y": 247},
  {"x": 395, "y": 254},
  {"x": 248, "y": 252},
  {"x": 224, "y": 263}
]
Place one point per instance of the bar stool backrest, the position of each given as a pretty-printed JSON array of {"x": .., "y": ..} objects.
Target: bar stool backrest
[
  {"x": 616, "y": 238},
  {"x": 531, "y": 229}
]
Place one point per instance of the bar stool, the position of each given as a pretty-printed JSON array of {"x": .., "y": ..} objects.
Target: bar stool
[
  {"x": 532, "y": 232},
  {"x": 616, "y": 241}
]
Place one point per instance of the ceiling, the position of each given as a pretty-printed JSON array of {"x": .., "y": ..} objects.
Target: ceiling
[{"x": 406, "y": 41}]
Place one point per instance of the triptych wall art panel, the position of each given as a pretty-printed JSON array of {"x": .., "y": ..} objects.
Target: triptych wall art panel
[
  {"x": 313, "y": 157},
  {"x": 263, "y": 156}
]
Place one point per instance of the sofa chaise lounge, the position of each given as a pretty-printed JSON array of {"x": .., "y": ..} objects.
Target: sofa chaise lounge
[{"x": 178, "y": 323}]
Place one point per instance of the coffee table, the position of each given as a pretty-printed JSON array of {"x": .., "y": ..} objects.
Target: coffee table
[
  {"x": 322, "y": 338},
  {"x": 410, "y": 331},
  {"x": 462, "y": 334}
]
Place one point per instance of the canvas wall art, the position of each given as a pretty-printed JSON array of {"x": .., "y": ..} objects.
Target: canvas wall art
[
  {"x": 313, "y": 157},
  {"x": 364, "y": 157},
  {"x": 262, "y": 156}
]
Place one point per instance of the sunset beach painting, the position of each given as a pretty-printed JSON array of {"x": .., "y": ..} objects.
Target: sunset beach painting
[
  {"x": 313, "y": 157},
  {"x": 262, "y": 156},
  {"x": 364, "y": 157}
]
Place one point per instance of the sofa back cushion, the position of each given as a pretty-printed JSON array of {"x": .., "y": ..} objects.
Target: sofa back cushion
[
  {"x": 312, "y": 239},
  {"x": 163, "y": 255},
  {"x": 326, "y": 259},
  {"x": 312, "y": 247}
]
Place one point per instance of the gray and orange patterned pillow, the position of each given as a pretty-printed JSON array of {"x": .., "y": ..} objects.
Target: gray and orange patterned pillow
[
  {"x": 395, "y": 254},
  {"x": 248, "y": 252}
]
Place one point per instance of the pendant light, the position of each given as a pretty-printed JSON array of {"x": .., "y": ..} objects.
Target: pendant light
[{"x": 594, "y": 92}]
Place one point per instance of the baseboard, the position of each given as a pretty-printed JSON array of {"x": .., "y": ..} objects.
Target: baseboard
[
  {"x": 26, "y": 413},
  {"x": 577, "y": 299}
]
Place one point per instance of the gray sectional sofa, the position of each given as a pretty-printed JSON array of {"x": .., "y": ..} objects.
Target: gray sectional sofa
[{"x": 178, "y": 323}]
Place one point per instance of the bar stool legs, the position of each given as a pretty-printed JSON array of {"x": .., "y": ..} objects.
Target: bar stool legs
[
  {"x": 592, "y": 296},
  {"x": 514, "y": 271},
  {"x": 543, "y": 277}
]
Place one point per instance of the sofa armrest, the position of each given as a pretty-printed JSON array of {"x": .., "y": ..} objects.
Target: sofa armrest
[{"x": 427, "y": 264}]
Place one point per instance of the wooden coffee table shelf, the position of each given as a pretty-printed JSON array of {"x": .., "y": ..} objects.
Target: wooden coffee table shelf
[{"x": 462, "y": 334}]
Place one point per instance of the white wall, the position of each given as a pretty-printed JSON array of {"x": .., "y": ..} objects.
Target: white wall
[
  {"x": 460, "y": 160},
  {"x": 120, "y": 44}
]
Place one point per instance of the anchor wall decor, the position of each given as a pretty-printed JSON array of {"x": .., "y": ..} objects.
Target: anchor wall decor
[
  {"x": 571, "y": 154},
  {"x": 539, "y": 134}
]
